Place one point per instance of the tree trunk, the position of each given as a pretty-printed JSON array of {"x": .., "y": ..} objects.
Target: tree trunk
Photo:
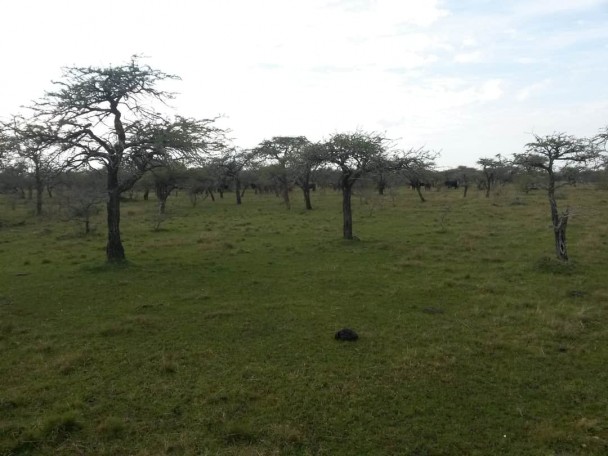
[
  {"x": 347, "y": 212},
  {"x": 237, "y": 191},
  {"x": 306, "y": 190},
  {"x": 114, "y": 249},
  {"x": 285, "y": 191},
  {"x": 162, "y": 205},
  {"x": 193, "y": 198},
  {"x": 420, "y": 193},
  {"x": 87, "y": 226},
  {"x": 466, "y": 189},
  {"x": 146, "y": 194},
  {"x": 39, "y": 192},
  {"x": 560, "y": 223},
  {"x": 561, "y": 247},
  {"x": 162, "y": 193}
]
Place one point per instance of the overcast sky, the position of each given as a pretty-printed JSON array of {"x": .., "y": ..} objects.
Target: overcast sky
[{"x": 471, "y": 78}]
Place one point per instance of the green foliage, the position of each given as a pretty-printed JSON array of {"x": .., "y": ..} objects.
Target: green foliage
[{"x": 218, "y": 337}]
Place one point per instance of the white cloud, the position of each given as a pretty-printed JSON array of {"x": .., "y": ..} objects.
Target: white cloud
[
  {"x": 530, "y": 90},
  {"x": 544, "y": 7},
  {"x": 433, "y": 72},
  {"x": 468, "y": 57}
]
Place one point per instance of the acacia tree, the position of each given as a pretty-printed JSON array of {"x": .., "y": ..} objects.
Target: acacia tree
[
  {"x": 229, "y": 165},
  {"x": 30, "y": 143},
  {"x": 417, "y": 166},
  {"x": 280, "y": 150},
  {"x": 489, "y": 168},
  {"x": 105, "y": 115},
  {"x": 601, "y": 140},
  {"x": 547, "y": 154},
  {"x": 81, "y": 196},
  {"x": 166, "y": 179},
  {"x": 354, "y": 154},
  {"x": 303, "y": 165}
]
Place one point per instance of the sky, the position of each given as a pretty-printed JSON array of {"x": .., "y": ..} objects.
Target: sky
[{"x": 466, "y": 78}]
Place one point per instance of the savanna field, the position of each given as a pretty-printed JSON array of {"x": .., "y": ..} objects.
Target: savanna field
[{"x": 217, "y": 337}]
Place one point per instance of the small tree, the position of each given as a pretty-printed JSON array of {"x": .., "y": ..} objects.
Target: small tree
[
  {"x": 81, "y": 195},
  {"x": 417, "y": 166},
  {"x": 166, "y": 179},
  {"x": 229, "y": 165},
  {"x": 547, "y": 154},
  {"x": 354, "y": 154},
  {"x": 490, "y": 168},
  {"x": 30, "y": 143},
  {"x": 302, "y": 166},
  {"x": 280, "y": 150}
]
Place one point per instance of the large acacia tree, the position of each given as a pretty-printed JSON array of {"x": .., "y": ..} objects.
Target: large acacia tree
[
  {"x": 107, "y": 116},
  {"x": 547, "y": 154}
]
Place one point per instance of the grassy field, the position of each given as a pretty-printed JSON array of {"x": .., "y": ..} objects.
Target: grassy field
[{"x": 217, "y": 336}]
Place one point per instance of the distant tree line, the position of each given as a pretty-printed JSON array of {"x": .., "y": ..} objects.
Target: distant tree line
[{"x": 97, "y": 137}]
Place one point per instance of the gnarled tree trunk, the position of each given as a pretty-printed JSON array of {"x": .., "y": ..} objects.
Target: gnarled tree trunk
[
  {"x": 560, "y": 223},
  {"x": 115, "y": 252}
]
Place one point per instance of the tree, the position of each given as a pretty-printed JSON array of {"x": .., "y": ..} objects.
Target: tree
[
  {"x": 30, "y": 143},
  {"x": 546, "y": 154},
  {"x": 81, "y": 195},
  {"x": 303, "y": 164},
  {"x": 166, "y": 179},
  {"x": 281, "y": 150},
  {"x": 417, "y": 166},
  {"x": 105, "y": 116},
  {"x": 230, "y": 165},
  {"x": 354, "y": 154},
  {"x": 489, "y": 168}
]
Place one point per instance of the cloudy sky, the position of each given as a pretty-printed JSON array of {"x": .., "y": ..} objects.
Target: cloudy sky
[{"x": 469, "y": 78}]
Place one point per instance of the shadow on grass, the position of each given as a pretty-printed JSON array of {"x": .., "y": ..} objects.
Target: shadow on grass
[
  {"x": 550, "y": 265},
  {"x": 119, "y": 266}
]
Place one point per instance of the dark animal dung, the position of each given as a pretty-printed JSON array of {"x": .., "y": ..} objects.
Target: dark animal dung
[{"x": 347, "y": 334}]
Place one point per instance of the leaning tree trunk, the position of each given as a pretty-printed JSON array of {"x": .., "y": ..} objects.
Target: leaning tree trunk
[
  {"x": 210, "y": 193},
  {"x": 115, "y": 252},
  {"x": 420, "y": 193},
  {"x": 347, "y": 213}
]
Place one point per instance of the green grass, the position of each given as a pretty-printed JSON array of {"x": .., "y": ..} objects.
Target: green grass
[{"x": 217, "y": 336}]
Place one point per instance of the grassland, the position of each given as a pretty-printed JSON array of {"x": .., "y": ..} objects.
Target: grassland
[{"x": 217, "y": 336}]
